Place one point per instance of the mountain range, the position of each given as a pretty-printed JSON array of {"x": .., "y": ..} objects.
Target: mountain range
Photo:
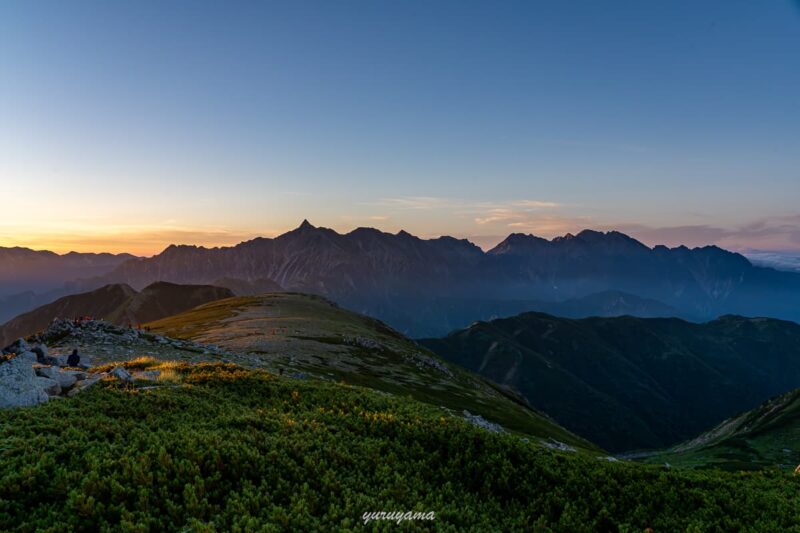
[
  {"x": 627, "y": 383},
  {"x": 429, "y": 287},
  {"x": 411, "y": 282}
]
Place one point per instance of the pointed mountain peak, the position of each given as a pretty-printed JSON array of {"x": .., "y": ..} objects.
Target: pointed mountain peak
[{"x": 306, "y": 224}]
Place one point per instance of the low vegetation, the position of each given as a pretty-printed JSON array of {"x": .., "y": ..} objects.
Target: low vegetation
[
  {"x": 304, "y": 334},
  {"x": 216, "y": 447}
]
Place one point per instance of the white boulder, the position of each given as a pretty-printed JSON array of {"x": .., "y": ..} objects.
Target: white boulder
[{"x": 19, "y": 384}]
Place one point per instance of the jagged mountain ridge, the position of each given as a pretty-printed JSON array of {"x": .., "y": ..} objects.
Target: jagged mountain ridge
[
  {"x": 398, "y": 277},
  {"x": 631, "y": 383}
]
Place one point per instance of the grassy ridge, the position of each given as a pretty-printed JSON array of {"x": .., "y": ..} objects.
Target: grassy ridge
[
  {"x": 227, "y": 449},
  {"x": 305, "y": 333}
]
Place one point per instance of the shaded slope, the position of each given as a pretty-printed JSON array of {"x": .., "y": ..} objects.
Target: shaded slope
[
  {"x": 242, "y": 287},
  {"x": 117, "y": 303},
  {"x": 766, "y": 436},
  {"x": 630, "y": 383},
  {"x": 104, "y": 302},
  {"x": 293, "y": 333},
  {"x": 164, "y": 299}
]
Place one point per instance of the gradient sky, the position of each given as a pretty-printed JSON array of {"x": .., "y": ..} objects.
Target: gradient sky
[{"x": 129, "y": 126}]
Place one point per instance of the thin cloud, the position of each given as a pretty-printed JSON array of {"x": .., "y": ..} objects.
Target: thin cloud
[
  {"x": 418, "y": 202},
  {"x": 772, "y": 233},
  {"x": 461, "y": 205},
  {"x": 536, "y": 204}
]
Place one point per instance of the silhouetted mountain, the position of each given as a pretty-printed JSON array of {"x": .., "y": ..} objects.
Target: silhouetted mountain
[
  {"x": 22, "y": 269},
  {"x": 30, "y": 278},
  {"x": 400, "y": 278},
  {"x": 117, "y": 303},
  {"x": 627, "y": 382},
  {"x": 443, "y": 315}
]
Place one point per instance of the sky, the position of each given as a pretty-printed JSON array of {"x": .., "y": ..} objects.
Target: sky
[{"x": 128, "y": 126}]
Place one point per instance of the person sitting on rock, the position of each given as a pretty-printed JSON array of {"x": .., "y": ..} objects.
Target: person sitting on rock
[{"x": 74, "y": 359}]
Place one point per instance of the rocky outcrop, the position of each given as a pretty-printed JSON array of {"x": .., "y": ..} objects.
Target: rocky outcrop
[
  {"x": 64, "y": 378},
  {"x": 19, "y": 384},
  {"x": 29, "y": 375}
]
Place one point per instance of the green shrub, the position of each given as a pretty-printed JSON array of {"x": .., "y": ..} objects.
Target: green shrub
[{"x": 237, "y": 450}]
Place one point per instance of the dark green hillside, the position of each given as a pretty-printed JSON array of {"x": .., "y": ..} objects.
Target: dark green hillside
[
  {"x": 225, "y": 449},
  {"x": 628, "y": 383},
  {"x": 766, "y": 436}
]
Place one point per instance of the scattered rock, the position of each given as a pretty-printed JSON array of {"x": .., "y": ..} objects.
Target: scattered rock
[
  {"x": 478, "y": 420},
  {"x": 81, "y": 386},
  {"x": 65, "y": 378},
  {"x": 41, "y": 352},
  {"x": 363, "y": 342},
  {"x": 55, "y": 360},
  {"x": 421, "y": 361},
  {"x": 50, "y": 386},
  {"x": 19, "y": 346},
  {"x": 554, "y": 444},
  {"x": 121, "y": 374},
  {"x": 79, "y": 375}
]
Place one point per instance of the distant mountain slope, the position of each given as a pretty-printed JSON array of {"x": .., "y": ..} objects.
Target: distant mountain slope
[
  {"x": 241, "y": 287},
  {"x": 400, "y": 278},
  {"x": 117, "y": 303},
  {"x": 609, "y": 304},
  {"x": 444, "y": 315},
  {"x": 30, "y": 278},
  {"x": 766, "y": 436},
  {"x": 627, "y": 382},
  {"x": 298, "y": 333},
  {"x": 26, "y": 269}
]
